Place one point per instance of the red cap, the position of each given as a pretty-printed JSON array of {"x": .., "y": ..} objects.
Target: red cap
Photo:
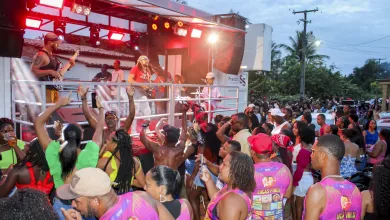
[{"x": 260, "y": 143}]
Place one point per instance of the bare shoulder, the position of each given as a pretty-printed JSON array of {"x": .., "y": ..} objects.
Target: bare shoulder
[{"x": 316, "y": 191}]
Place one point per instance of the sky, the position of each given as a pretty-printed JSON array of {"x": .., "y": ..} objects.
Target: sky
[{"x": 343, "y": 26}]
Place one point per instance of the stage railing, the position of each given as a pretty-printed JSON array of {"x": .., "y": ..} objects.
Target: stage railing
[{"x": 27, "y": 92}]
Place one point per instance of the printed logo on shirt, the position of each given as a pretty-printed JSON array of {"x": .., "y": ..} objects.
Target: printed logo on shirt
[
  {"x": 133, "y": 218},
  {"x": 346, "y": 204}
]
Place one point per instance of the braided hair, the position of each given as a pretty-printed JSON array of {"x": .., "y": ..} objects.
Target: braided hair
[
  {"x": 36, "y": 156},
  {"x": 381, "y": 190},
  {"x": 68, "y": 155},
  {"x": 126, "y": 169}
]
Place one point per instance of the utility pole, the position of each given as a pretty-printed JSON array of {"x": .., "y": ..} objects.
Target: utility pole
[
  {"x": 304, "y": 41},
  {"x": 379, "y": 60}
]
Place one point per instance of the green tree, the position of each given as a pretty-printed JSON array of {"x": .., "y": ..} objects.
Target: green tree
[{"x": 296, "y": 48}]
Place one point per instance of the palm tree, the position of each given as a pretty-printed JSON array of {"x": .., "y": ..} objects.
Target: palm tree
[
  {"x": 295, "y": 50},
  {"x": 276, "y": 61}
]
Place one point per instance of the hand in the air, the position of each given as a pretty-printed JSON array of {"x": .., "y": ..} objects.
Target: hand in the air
[
  {"x": 58, "y": 128},
  {"x": 185, "y": 107},
  {"x": 64, "y": 100},
  {"x": 98, "y": 103},
  {"x": 82, "y": 91},
  {"x": 205, "y": 176},
  {"x": 164, "y": 120},
  {"x": 130, "y": 90}
]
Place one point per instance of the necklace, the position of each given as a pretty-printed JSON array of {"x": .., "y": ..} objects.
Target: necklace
[{"x": 331, "y": 176}]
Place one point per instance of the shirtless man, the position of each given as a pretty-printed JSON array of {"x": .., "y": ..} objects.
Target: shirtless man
[
  {"x": 170, "y": 153},
  {"x": 110, "y": 117}
]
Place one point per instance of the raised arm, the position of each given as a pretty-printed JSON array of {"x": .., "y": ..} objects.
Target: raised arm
[
  {"x": 129, "y": 120},
  {"x": 150, "y": 145},
  {"x": 183, "y": 134},
  {"x": 83, "y": 94},
  {"x": 221, "y": 133},
  {"x": 40, "y": 121},
  {"x": 98, "y": 135},
  {"x": 160, "y": 136}
]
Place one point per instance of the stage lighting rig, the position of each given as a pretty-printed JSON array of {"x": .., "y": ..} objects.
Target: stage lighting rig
[
  {"x": 82, "y": 8},
  {"x": 94, "y": 35},
  {"x": 33, "y": 22},
  {"x": 133, "y": 43},
  {"x": 60, "y": 28}
]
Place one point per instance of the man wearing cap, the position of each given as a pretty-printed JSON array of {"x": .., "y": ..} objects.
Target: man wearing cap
[
  {"x": 273, "y": 180},
  {"x": 141, "y": 73},
  {"x": 46, "y": 66},
  {"x": 92, "y": 196},
  {"x": 215, "y": 92},
  {"x": 279, "y": 121}
]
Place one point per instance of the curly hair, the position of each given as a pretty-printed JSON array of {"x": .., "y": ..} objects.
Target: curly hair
[
  {"x": 6, "y": 121},
  {"x": 27, "y": 204},
  {"x": 242, "y": 172},
  {"x": 381, "y": 190}
]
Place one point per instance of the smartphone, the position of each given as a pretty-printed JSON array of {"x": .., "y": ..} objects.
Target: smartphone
[
  {"x": 93, "y": 95},
  {"x": 146, "y": 124}
]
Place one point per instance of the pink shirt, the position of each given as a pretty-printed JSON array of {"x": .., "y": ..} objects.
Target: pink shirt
[
  {"x": 343, "y": 200},
  {"x": 184, "y": 212},
  {"x": 272, "y": 182},
  {"x": 131, "y": 206}
]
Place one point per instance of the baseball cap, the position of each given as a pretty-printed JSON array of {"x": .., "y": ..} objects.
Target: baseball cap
[
  {"x": 86, "y": 182},
  {"x": 109, "y": 113},
  {"x": 276, "y": 112},
  {"x": 260, "y": 143},
  {"x": 210, "y": 75},
  {"x": 251, "y": 105}
]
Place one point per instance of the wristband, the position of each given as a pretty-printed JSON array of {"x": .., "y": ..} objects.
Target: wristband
[
  {"x": 100, "y": 108},
  {"x": 83, "y": 98},
  {"x": 5, "y": 175}
]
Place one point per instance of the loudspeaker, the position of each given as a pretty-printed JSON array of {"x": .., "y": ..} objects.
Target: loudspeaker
[
  {"x": 12, "y": 24},
  {"x": 231, "y": 45}
]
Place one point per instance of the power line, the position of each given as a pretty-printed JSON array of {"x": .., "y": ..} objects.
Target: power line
[
  {"x": 367, "y": 42},
  {"x": 358, "y": 51}
]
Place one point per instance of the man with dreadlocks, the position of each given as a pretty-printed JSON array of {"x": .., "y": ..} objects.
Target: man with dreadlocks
[
  {"x": 141, "y": 73},
  {"x": 31, "y": 172},
  {"x": 118, "y": 162},
  {"x": 170, "y": 153}
]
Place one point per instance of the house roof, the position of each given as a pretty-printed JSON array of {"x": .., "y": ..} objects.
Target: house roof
[{"x": 84, "y": 50}]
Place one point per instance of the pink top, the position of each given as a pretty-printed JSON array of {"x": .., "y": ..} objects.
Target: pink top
[
  {"x": 131, "y": 206},
  {"x": 343, "y": 200},
  {"x": 184, "y": 212},
  {"x": 272, "y": 182},
  {"x": 379, "y": 158},
  {"x": 211, "y": 213}
]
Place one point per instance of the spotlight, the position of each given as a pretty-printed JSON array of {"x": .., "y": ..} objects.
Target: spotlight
[
  {"x": 154, "y": 27},
  {"x": 115, "y": 35},
  {"x": 94, "y": 35},
  {"x": 213, "y": 38},
  {"x": 196, "y": 33},
  {"x": 133, "y": 43},
  {"x": 180, "y": 24},
  {"x": 59, "y": 28},
  {"x": 167, "y": 25},
  {"x": 136, "y": 48},
  {"x": 180, "y": 31},
  {"x": 52, "y": 3},
  {"x": 247, "y": 26},
  {"x": 83, "y": 9},
  {"x": 33, "y": 22}
]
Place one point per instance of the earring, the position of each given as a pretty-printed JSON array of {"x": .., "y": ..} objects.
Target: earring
[{"x": 163, "y": 198}]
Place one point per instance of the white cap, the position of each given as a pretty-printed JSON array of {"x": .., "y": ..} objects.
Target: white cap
[
  {"x": 210, "y": 75},
  {"x": 251, "y": 105},
  {"x": 276, "y": 112}
]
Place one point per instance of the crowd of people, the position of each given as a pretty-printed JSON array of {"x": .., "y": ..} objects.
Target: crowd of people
[
  {"x": 271, "y": 161},
  {"x": 249, "y": 165}
]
